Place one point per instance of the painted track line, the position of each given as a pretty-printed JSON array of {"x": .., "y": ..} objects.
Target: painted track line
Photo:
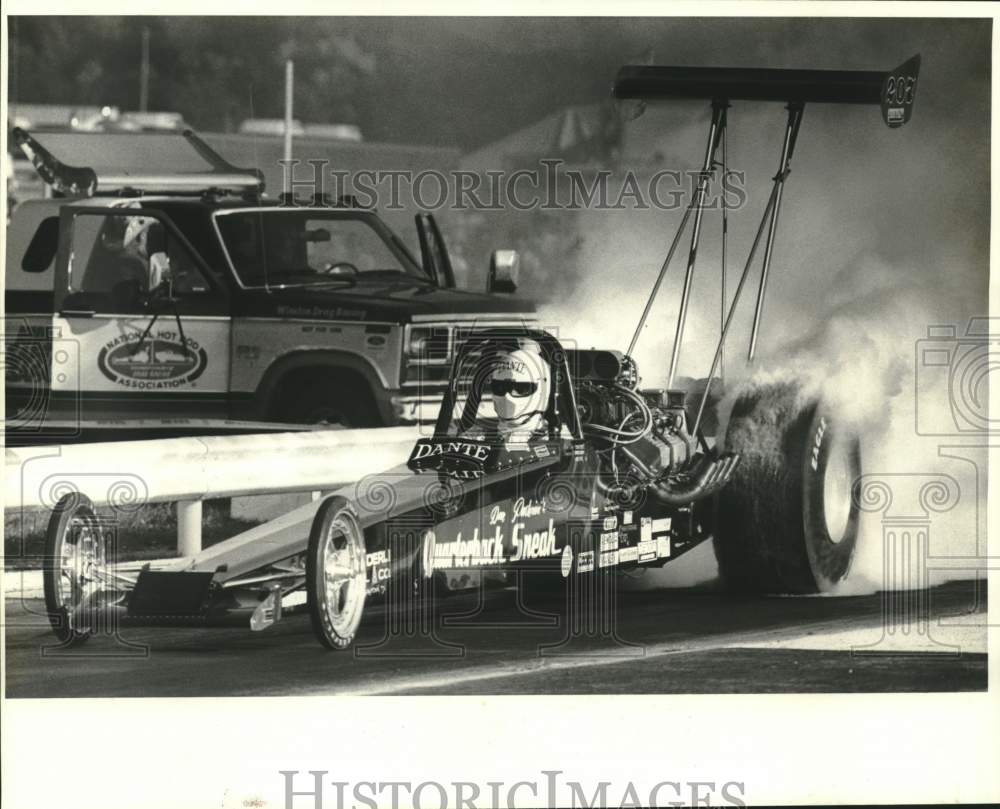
[{"x": 823, "y": 635}]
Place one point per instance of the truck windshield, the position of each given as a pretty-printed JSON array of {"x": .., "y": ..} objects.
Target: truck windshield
[{"x": 296, "y": 247}]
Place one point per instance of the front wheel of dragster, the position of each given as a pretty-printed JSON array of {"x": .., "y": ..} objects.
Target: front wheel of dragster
[
  {"x": 74, "y": 554},
  {"x": 335, "y": 573},
  {"x": 787, "y": 521}
]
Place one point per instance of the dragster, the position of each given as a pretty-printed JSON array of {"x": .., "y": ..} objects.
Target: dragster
[{"x": 546, "y": 463}]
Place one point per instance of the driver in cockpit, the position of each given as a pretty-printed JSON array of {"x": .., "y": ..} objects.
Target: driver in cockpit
[
  {"x": 145, "y": 238},
  {"x": 519, "y": 383}
]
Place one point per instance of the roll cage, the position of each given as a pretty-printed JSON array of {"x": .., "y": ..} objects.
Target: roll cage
[{"x": 472, "y": 364}]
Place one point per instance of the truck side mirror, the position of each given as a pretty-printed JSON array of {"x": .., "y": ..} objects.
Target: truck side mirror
[{"x": 504, "y": 268}]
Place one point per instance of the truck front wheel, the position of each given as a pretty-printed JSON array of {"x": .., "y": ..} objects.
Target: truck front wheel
[{"x": 319, "y": 397}]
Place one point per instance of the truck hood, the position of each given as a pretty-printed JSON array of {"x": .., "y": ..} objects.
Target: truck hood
[{"x": 396, "y": 301}]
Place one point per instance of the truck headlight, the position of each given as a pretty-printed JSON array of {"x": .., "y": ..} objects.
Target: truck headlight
[
  {"x": 418, "y": 343},
  {"x": 429, "y": 344},
  {"x": 427, "y": 353}
]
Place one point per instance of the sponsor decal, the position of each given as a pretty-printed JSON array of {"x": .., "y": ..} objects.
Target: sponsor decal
[
  {"x": 628, "y": 554},
  {"x": 610, "y": 522},
  {"x": 517, "y": 531},
  {"x": 585, "y": 562},
  {"x": 161, "y": 362},
  {"x": 375, "y": 341},
  {"x": 527, "y": 508},
  {"x": 646, "y": 550},
  {"x": 609, "y": 559},
  {"x": 609, "y": 541},
  {"x": 661, "y": 525},
  {"x": 521, "y": 509},
  {"x": 463, "y": 458},
  {"x": 427, "y": 557},
  {"x": 818, "y": 444},
  {"x": 325, "y": 313},
  {"x": 645, "y": 529},
  {"x": 566, "y": 562},
  {"x": 477, "y": 451},
  {"x": 460, "y": 552},
  {"x": 541, "y": 451},
  {"x": 663, "y": 547},
  {"x": 627, "y": 518},
  {"x": 378, "y": 572},
  {"x": 533, "y": 545}
]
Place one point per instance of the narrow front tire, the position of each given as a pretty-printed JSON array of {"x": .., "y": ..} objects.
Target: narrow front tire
[{"x": 336, "y": 574}]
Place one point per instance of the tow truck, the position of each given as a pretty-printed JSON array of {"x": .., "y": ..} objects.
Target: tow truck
[{"x": 161, "y": 288}]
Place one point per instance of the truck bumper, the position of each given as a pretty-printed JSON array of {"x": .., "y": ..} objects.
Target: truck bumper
[{"x": 415, "y": 409}]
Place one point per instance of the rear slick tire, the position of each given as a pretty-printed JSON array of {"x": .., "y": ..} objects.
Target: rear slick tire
[{"x": 787, "y": 522}]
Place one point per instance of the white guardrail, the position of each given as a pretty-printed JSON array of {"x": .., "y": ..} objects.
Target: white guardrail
[{"x": 187, "y": 471}]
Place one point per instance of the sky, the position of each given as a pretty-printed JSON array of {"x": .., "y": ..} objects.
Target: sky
[{"x": 448, "y": 81}]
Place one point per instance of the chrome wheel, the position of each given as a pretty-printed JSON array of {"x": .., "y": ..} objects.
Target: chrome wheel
[
  {"x": 837, "y": 491},
  {"x": 82, "y": 557},
  {"x": 336, "y": 574},
  {"x": 344, "y": 575},
  {"x": 75, "y": 563}
]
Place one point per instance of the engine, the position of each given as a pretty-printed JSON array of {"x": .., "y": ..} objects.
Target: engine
[
  {"x": 645, "y": 431},
  {"x": 642, "y": 436}
]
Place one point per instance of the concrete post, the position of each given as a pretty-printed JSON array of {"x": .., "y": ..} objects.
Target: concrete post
[{"x": 188, "y": 527}]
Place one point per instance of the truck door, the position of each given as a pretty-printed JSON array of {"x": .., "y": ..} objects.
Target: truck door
[
  {"x": 149, "y": 323},
  {"x": 434, "y": 252}
]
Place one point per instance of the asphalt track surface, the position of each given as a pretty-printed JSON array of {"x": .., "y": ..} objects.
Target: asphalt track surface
[{"x": 665, "y": 641}]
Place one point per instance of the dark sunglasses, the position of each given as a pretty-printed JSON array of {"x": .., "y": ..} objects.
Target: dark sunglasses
[{"x": 501, "y": 387}]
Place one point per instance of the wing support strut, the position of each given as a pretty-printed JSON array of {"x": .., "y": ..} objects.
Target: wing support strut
[
  {"x": 770, "y": 220},
  {"x": 716, "y": 135},
  {"x": 697, "y": 207}
]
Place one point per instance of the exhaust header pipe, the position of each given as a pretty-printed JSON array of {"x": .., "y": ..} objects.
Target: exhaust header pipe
[{"x": 705, "y": 478}]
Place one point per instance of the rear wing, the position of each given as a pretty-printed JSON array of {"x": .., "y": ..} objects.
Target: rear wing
[
  {"x": 96, "y": 163},
  {"x": 893, "y": 91}
]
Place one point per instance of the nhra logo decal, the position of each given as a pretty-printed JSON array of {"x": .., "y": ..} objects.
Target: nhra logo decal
[{"x": 161, "y": 361}]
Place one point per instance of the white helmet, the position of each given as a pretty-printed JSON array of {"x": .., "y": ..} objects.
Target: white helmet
[{"x": 520, "y": 384}]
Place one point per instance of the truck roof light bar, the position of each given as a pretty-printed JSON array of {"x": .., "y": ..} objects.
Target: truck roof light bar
[
  {"x": 85, "y": 181},
  {"x": 70, "y": 180}
]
